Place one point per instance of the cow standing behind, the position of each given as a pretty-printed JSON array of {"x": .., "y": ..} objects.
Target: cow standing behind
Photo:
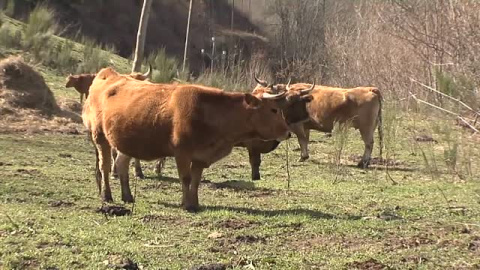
[
  {"x": 361, "y": 107},
  {"x": 82, "y": 83},
  {"x": 195, "y": 124}
]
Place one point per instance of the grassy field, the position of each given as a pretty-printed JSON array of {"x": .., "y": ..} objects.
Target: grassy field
[
  {"x": 424, "y": 213},
  {"x": 331, "y": 217}
]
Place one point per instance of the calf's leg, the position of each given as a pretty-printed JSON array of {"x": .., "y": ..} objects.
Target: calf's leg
[
  {"x": 255, "y": 161},
  {"x": 367, "y": 137},
  {"x": 122, "y": 163},
  {"x": 303, "y": 135},
  {"x": 184, "y": 173},
  {"x": 138, "y": 169},
  {"x": 196, "y": 173},
  {"x": 114, "y": 164},
  {"x": 104, "y": 163},
  {"x": 159, "y": 166}
]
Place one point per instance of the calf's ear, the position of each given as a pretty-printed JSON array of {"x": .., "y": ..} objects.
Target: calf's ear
[{"x": 251, "y": 101}]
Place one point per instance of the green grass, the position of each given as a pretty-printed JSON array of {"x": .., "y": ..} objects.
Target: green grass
[
  {"x": 318, "y": 223},
  {"x": 429, "y": 220}
]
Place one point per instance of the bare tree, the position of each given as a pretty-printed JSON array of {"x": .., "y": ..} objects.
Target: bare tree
[{"x": 141, "y": 35}]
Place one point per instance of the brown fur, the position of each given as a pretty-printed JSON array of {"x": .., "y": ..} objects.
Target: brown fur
[
  {"x": 81, "y": 83},
  {"x": 360, "y": 106},
  {"x": 195, "y": 124}
]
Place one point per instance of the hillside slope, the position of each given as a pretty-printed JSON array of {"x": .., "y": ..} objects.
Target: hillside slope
[{"x": 115, "y": 22}]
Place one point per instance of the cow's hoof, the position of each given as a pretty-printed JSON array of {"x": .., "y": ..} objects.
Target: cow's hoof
[
  {"x": 107, "y": 198},
  {"x": 128, "y": 199},
  {"x": 363, "y": 164},
  {"x": 140, "y": 175},
  {"x": 192, "y": 208},
  {"x": 302, "y": 159}
]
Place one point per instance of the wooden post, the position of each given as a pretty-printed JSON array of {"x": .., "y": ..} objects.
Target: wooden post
[
  {"x": 186, "y": 36},
  {"x": 141, "y": 35}
]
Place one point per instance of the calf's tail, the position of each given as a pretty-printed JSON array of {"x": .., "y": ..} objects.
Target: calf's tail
[{"x": 380, "y": 122}]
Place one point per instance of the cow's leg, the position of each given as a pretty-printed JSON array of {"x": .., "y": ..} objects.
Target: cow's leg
[
  {"x": 138, "y": 169},
  {"x": 159, "y": 166},
  {"x": 196, "y": 170},
  {"x": 184, "y": 173},
  {"x": 114, "y": 164},
  {"x": 122, "y": 163},
  {"x": 367, "y": 133},
  {"x": 303, "y": 135},
  {"x": 255, "y": 161},
  {"x": 81, "y": 98},
  {"x": 104, "y": 163}
]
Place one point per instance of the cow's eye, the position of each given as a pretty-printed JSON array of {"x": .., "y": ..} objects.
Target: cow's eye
[{"x": 274, "y": 110}]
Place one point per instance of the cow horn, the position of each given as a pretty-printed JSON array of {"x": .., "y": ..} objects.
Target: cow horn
[
  {"x": 149, "y": 71},
  {"x": 274, "y": 96},
  {"x": 261, "y": 82},
  {"x": 307, "y": 91},
  {"x": 288, "y": 84}
]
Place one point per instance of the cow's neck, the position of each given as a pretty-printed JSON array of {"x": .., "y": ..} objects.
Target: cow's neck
[{"x": 236, "y": 125}]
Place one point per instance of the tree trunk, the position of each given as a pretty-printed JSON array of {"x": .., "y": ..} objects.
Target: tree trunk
[{"x": 141, "y": 35}]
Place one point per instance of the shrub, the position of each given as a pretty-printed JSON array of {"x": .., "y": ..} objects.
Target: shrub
[
  {"x": 94, "y": 58},
  {"x": 41, "y": 26},
  {"x": 165, "y": 68},
  {"x": 8, "y": 38}
]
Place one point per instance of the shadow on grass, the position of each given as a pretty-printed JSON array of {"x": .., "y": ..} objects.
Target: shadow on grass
[
  {"x": 370, "y": 168},
  {"x": 235, "y": 185},
  {"x": 271, "y": 213}
]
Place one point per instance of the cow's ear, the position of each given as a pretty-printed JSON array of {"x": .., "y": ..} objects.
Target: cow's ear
[
  {"x": 307, "y": 98},
  {"x": 252, "y": 101}
]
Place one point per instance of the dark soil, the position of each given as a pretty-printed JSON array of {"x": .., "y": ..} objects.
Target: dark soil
[
  {"x": 210, "y": 266},
  {"x": 60, "y": 203},
  {"x": 370, "y": 264},
  {"x": 114, "y": 210},
  {"x": 236, "y": 224}
]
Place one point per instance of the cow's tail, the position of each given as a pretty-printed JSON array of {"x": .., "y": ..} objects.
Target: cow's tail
[{"x": 380, "y": 121}]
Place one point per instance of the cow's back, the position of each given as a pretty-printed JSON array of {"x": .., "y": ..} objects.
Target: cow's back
[{"x": 331, "y": 104}]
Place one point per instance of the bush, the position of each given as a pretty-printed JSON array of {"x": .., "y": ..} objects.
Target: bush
[
  {"x": 61, "y": 58},
  {"x": 41, "y": 26},
  {"x": 165, "y": 68},
  {"x": 94, "y": 58},
  {"x": 8, "y": 38}
]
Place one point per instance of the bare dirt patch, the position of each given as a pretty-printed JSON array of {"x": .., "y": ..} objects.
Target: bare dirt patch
[
  {"x": 120, "y": 262},
  {"x": 378, "y": 161},
  {"x": 210, "y": 266},
  {"x": 425, "y": 138},
  {"x": 370, "y": 264},
  {"x": 474, "y": 245},
  {"x": 113, "y": 210},
  {"x": 28, "y": 105},
  {"x": 236, "y": 224},
  {"x": 248, "y": 239},
  {"x": 162, "y": 220},
  {"x": 60, "y": 204}
]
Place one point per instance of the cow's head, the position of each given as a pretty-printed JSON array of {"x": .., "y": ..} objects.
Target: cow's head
[
  {"x": 266, "y": 117},
  {"x": 142, "y": 76},
  {"x": 294, "y": 104}
]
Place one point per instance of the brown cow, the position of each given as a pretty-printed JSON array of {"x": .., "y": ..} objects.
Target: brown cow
[
  {"x": 360, "y": 106},
  {"x": 82, "y": 82},
  {"x": 195, "y": 124}
]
